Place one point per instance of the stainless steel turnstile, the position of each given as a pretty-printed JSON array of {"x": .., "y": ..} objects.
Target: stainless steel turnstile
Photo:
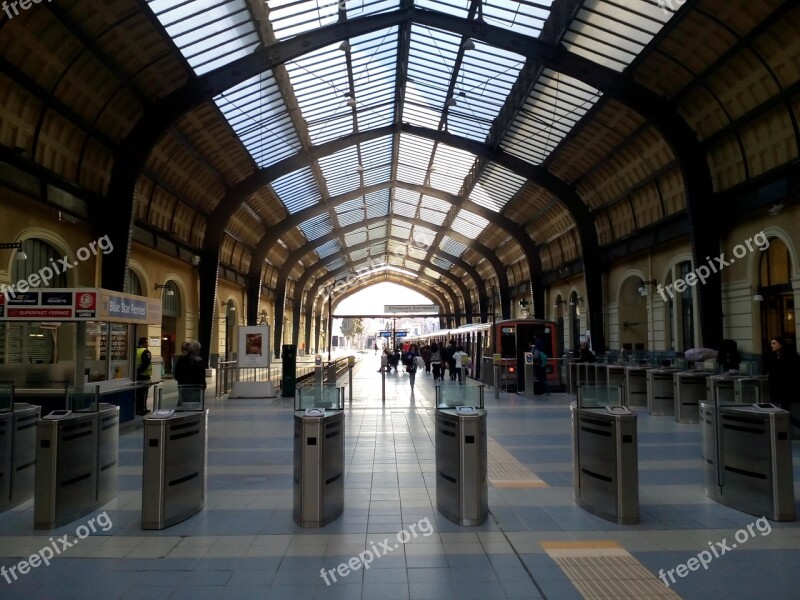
[
  {"x": 660, "y": 392},
  {"x": 462, "y": 493},
  {"x": 719, "y": 389},
  {"x": 318, "y": 466},
  {"x": 17, "y": 454},
  {"x": 66, "y": 468},
  {"x": 636, "y": 385},
  {"x": 174, "y": 467},
  {"x": 756, "y": 461},
  {"x": 107, "y": 452},
  {"x": 751, "y": 390},
  {"x": 615, "y": 377},
  {"x": 605, "y": 462},
  {"x": 689, "y": 390}
]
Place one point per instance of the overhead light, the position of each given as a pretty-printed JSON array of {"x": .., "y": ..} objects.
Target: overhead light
[
  {"x": 468, "y": 45},
  {"x": 351, "y": 102},
  {"x": 166, "y": 287},
  {"x": 21, "y": 256},
  {"x": 758, "y": 298},
  {"x": 344, "y": 46},
  {"x": 452, "y": 102},
  {"x": 359, "y": 169},
  {"x": 14, "y": 246}
]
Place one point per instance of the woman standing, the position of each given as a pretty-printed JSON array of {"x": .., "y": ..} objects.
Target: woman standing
[
  {"x": 411, "y": 364},
  {"x": 783, "y": 371}
]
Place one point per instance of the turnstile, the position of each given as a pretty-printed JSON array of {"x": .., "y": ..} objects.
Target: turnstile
[
  {"x": 660, "y": 392},
  {"x": 636, "y": 385},
  {"x": 66, "y": 468},
  {"x": 751, "y": 390},
  {"x": 174, "y": 467},
  {"x": 462, "y": 493},
  {"x": 689, "y": 391},
  {"x": 756, "y": 461},
  {"x": 107, "y": 452},
  {"x": 17, "y": 454},
  {"x": 605, "y": 462},
  {"x": 318, "y": 466},
  {"x": 719, "y": 389},
  {"x": 615, "y": 377}
]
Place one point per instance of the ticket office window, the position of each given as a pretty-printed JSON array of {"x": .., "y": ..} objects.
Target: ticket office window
[
  {"x": 34, "y": 352},
  {"x": 107, "y": 351}
]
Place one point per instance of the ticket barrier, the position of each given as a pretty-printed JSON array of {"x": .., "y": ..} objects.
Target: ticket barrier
[
  {"x": 636, "y": 385},
  {"x": 318, "y": 455},
  {"x": 605, "y": 458},
  {"x": 580, "y": 373},
  {"x": 77, "y": 453},
  {"x": 748, "y": 459},
  {"x": 690, "y": 390},
  {"x": 174, "y": 471},
  {"x": 462, "y": 493},
  {"x": 719, "y": 389},
  {"x": 17, "y": 449},
  {"x": 660, "y": 392},
  {"x": 615, "y": 377},
  {"x": 751, "y": 390}
]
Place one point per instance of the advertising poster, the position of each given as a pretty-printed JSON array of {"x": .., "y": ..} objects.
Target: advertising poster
[{"x": 254, "y": 346}]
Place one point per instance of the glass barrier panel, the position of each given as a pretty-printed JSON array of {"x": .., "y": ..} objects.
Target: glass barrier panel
[
  {"x": 6, "y": 398},
  {"x": 319, "y": 396},
  {"x": 451, "y": 395},
  {"x": 83, "y": 398},
  {"x": 596, "y": 396},
  {"x": 190, "y": 397}
]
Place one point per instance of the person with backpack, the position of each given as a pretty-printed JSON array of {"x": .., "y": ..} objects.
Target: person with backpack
[{"x": 461, "y": 361}]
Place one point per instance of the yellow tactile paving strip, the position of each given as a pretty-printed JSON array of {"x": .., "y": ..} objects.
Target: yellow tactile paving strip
[
  {"x": 605, "y": 570},
  {"x": 506, "y": 471}
]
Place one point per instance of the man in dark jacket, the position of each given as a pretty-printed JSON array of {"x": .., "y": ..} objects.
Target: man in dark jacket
[
  {"x": 190, "y": 373},
  {"x": 448, "y": 358},
  {"x": 783, "y": 369}
]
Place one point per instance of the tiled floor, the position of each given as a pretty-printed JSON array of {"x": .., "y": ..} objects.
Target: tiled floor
[{"x": 245, "y": 544}]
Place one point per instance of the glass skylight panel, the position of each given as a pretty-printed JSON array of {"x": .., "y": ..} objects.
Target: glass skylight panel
[
  {"x": 329, "y": 248},
  {"x": 431, "y": 273},
  {"x": 297, "y": 190},
  {"x": 355, "y": 237},
  {"x": 351, "y": 211},
  {"x": 413, "y": 158},
  {"x": 550, "y": 112},
  {"x": 452, "y": 247},
  {"x": 209, "y": 33},
  {"x": 256, "y": 112},
  {"x": 423, "y": 236},
  {"x": 496, "y": 187},
  {"x": 450, "y": 167},
  {"x": 377, "y": 248},
  {"x": 359, "y": 254},
  {"x": 442, "y": 263},
  {"x": 431, "y": 57},
  {"x": 404, "y": 209},
  {"x": 526, "y": 16},
  {"x": 339, "y": 170},
  {"x": 293, "y": 17},
  {"x": 401, "y": 230},
  {"x": 376, "y": 159},
  {"x": 417, "y": 253},
  {"x": 458, "y": 8},
  {"x": 613, "y": 34},
  {"x": 317, "y": 227},
  {"x": 374, "y": 61},
  {"x": 377, "y": 203},
  {"x": 378, "y": 232},
  {"x": 485, "y": 78},
  {"x": 397, "y": 248},
  {"x": 432, "y": 217},
  {"x": 336, "y": 264},
  {"x": 469, "y": 224}
]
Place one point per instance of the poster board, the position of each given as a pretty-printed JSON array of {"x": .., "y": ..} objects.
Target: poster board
[{"x": 253, "y": 346}]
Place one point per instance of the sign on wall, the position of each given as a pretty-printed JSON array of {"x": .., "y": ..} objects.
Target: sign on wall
[{"x": 254, "y": 346}]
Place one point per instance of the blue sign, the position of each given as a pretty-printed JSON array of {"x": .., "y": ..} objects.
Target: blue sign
[
  {"x": 129, "y": 309},
  {"x": 386, "y": 334},
  {"x": 24, "y": 298},
  {"x": 401, "y": 334}
]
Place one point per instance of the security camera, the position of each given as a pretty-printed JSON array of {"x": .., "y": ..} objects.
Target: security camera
[{"x": 776, "y": 209}]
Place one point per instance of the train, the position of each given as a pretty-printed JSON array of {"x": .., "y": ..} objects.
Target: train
[{"x": 510, "y": 338}]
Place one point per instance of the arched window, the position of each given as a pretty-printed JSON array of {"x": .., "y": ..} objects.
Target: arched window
[
  {"x": 171, "y": 300},
  {"x": 40, "y": 255},
  {"x": 230, "y": 325},
  {"x": 134, "y": 284},
  {"x": 774, "y": 285},
  {"x": 575, "y": 320}
]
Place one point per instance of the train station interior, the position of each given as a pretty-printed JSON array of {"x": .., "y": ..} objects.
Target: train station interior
[{"x": 599, "y": 180}]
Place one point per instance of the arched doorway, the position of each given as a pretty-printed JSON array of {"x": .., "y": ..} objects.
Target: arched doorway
[
  {"x": 230, "y": 330},
  {"x": 775, "y": 287},
  {"x": 170, "y": 313},
  {"x": 559, "y": 319},
  {"x": 575, "y": 320},
  {"x": 633, "y": 325}
]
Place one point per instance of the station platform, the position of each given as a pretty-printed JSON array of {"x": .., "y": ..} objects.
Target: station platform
[{"x": 537, "y": 543}]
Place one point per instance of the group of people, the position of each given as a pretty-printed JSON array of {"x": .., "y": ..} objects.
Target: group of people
[
  {"x": 190, "y": 369},
  {"x": 431, "y": 358}
]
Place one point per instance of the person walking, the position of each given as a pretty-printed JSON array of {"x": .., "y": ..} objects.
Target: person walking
[
  {"x": 447, "y": 357},
  {"x": 783, "y": 369},
  {"x": 436, "y": 362},
  {"x": 144, "y": 370},
  {"x": 460, "y": 360},
  {"x": 425, "y": 353}
]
